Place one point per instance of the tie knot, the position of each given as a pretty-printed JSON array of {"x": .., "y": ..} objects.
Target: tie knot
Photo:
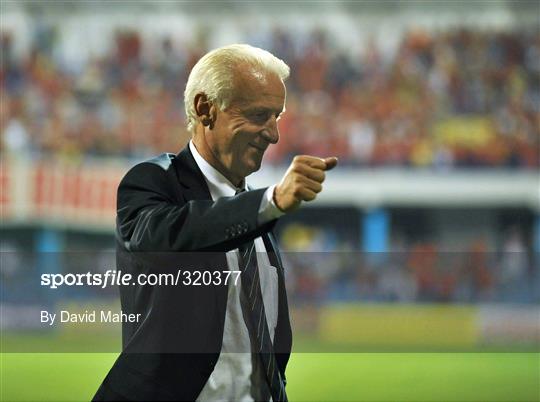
[{"x": 241, "y": 190}]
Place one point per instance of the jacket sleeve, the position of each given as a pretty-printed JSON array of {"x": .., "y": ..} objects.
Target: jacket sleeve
[{"x": 151, "y": 218}]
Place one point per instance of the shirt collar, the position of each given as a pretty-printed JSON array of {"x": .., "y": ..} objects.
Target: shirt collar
[{"x": 218, "y": 184}]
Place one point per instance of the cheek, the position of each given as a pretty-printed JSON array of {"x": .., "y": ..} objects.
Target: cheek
[
  {"x": 246, "y": 153},
  {"x": 242, "y": 134},
  {"x": 243, "y": 127}
]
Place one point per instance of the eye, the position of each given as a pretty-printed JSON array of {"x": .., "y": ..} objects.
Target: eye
[{"x": 259, "y": 116}]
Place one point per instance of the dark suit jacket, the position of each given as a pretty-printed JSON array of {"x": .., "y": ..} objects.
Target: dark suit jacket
[{"x": 166, "y": 220}]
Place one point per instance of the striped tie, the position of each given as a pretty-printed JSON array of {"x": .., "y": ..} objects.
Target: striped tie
[{"x": 258, "y": 326}]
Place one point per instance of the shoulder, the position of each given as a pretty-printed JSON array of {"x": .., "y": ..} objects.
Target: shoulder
[
  {"x": 154, "y": 175},
  {"x": 164, "y": 173},
  {"x": 164, "y": 161},
  {"x": 151, "y": 168}
]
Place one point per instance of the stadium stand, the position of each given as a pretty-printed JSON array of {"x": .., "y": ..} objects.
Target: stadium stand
[{"x": 456, "y": 98}]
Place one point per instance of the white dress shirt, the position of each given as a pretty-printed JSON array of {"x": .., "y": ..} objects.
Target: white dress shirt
[{"x": 235, "y": 376}]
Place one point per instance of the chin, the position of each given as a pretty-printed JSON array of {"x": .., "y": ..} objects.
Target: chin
[{"x": 252, "y": 166}]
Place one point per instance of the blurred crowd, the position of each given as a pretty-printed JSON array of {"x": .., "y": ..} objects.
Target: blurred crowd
[
  {"x": 458, "y": 98},
  {"x": 322, "y": 268},
  {"x": 319, "y": 270}
]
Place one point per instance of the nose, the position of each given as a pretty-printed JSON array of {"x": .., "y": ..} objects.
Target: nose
[{"x": 271, "y": 131}]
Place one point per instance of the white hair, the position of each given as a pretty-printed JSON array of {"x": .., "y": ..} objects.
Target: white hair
[{"x": 214, "y": 75}]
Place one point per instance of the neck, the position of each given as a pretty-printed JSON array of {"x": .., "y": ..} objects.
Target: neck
[{"x": 209, "y": 156}]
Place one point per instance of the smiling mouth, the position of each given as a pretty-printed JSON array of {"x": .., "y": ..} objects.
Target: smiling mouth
[{"x": 258, "y": 147}]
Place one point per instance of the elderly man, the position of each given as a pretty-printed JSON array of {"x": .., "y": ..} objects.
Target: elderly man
[{"x": 224, "y": 339}]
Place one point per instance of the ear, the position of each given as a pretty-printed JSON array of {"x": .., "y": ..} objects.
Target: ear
[{"x": 205, "y": 110}]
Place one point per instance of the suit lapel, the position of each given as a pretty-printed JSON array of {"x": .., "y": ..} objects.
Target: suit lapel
[
  {"x": 193, "y": 187},
  {"x": 190, "y": 177},
  {"x": 271, "y": 248},
  {"x": 283, "y": 335}
]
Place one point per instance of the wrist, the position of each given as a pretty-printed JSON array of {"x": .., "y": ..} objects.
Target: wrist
[{"x": 274, "y": 199}]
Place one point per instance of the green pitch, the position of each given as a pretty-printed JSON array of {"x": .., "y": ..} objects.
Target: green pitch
[{"x": 312, "y": 376}]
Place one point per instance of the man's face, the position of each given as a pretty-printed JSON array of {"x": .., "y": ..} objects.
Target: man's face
[{"x": 244, "y": 130}]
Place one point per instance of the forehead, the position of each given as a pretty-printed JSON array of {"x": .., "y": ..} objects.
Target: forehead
[{"x": 256, "y": 88}]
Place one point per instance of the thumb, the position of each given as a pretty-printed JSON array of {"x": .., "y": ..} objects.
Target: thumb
[{"x": 331, "y": 162}]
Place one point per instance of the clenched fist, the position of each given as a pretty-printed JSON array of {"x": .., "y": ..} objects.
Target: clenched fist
[{"x": 302, "y": 181}]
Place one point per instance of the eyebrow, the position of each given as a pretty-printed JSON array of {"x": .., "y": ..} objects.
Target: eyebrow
[{"x": 264, "y": 109}]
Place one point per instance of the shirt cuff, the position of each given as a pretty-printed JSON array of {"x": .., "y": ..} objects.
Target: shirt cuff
[{"x": 268, "y": 209}]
